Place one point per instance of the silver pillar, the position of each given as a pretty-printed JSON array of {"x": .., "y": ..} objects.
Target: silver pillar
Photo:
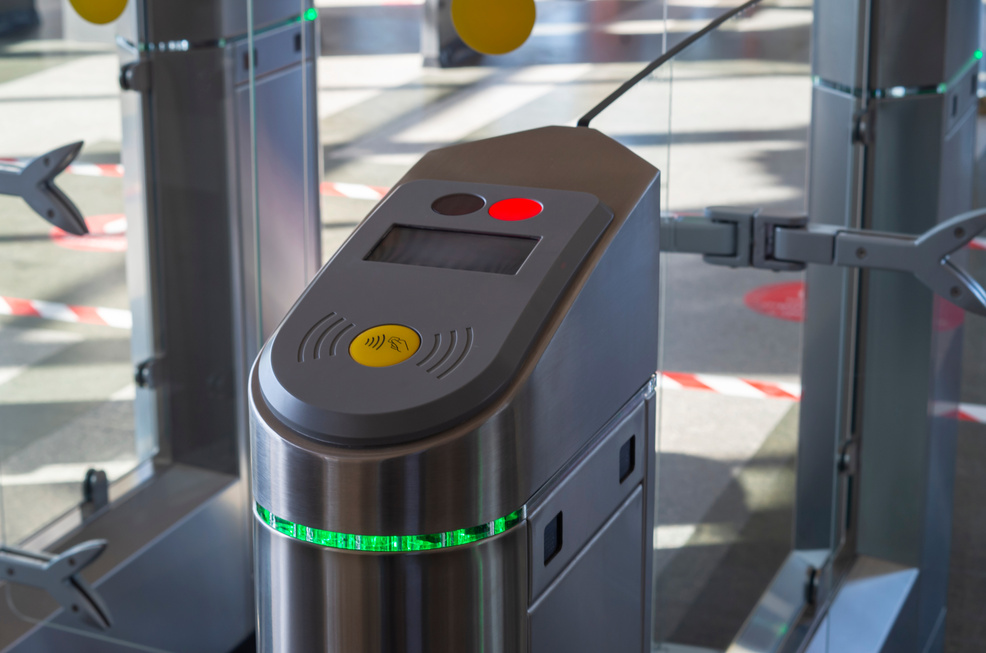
[
  {"x": 891, "y": 150},
  {"x": 441, "y": 46}
]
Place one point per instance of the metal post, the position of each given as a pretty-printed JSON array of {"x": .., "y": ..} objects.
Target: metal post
[
  {"x": 441, "y": 46},
  {"x": 891, "y": 150}
]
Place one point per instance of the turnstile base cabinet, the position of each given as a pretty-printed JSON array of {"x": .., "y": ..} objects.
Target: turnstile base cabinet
[{"x": 481, "y": 597}]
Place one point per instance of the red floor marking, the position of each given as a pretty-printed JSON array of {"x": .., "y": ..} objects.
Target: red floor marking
[
  {"x": 947, "y": 316},
  {"x": 107, "y": 233},
  {"x": 88, "y": 315},
  {"x": 770, "y": 389},
  {"x": 110, "y": 169},
  {"x": 686, "y": 380},
  {"x": 784, "y": 301},
  {"x": 21, "y": 307}
]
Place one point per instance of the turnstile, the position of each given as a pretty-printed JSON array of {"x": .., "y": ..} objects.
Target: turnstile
[{"x": 453, "y": 435}]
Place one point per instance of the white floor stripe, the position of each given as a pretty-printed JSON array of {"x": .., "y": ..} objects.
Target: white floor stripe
[
  {"x": 126, "y": 393},
  {"x": 463, "y": 115},
  {"x": 66, "y": 473},
  {"x": 22, "y": 348},
  {"x": 676, "y": 536}
]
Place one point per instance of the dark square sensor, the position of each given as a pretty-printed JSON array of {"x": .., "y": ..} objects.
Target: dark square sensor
[
  {"x": 552, "y": 538},
  {"x": 627, "y": 458}
]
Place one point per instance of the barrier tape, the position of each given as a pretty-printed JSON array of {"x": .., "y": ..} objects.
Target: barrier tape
[
  {"x": 352, "y": 191},
  {"x": 112, "y": 317},
  {"x": 83, "y": 169},
  {"x": 730, "y": 386},
  {"x": 328, "y": 188}
]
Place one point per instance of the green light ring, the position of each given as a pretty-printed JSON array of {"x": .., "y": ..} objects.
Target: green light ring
[
  {"x": 390, "y": 543},
  {"x": 904, "y": 91}
]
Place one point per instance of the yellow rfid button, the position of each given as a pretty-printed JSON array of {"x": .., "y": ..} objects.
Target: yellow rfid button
[{"x": 385, "y": 345}]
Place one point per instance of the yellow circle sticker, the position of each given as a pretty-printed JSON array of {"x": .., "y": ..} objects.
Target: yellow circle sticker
[
  {"x": 385, "y": 345},
  {"x": 99, "y": 12},
  {"x": 493, "y": 26}
]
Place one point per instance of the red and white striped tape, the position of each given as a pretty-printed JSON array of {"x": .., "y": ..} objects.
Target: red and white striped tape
[
  {"x": 353, "y": 191},
  {"x": 328, "y": 188},
  {"x": 738, "y": 387},
  {"x": 114, "y": 317},
  {"x": 732, "y": 386},
  {"x": 719, "y": 384},
  {"x": 84, "y": 169}
]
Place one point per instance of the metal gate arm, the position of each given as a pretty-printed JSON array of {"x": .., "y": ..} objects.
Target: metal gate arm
[
  {"x": 59, "y": 576},
  {"x": 34, "y": 182},
  {"x": 749, "y": 238}
]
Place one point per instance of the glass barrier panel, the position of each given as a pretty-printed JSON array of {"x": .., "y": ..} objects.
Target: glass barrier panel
[
  {"x": 730, "y": 338},
  {"x": 67, "y": 390},
  {"x": 66, "y": 380}
]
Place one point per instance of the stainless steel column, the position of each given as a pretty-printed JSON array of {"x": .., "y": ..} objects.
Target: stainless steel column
[
  {"x": 892, "y": 150},
  {"x": 208, "y": 249},
  {"x": 440, "y": 44}
]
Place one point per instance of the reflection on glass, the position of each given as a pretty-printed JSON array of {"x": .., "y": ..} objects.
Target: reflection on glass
[
  {"x": 66, "y": 381},
  {"x": 730, "y": 339}
]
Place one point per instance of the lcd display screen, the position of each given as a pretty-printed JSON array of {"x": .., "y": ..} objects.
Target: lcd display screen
[{"x": 458, "y": 250}]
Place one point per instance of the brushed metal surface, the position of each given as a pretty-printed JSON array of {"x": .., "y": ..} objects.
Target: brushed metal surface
[
  {"x": 586, "y": 496},
  {"x": 595, "y": 605},
  {"x": 597, "y": 350},
  {"x": 457, "y": 600}
]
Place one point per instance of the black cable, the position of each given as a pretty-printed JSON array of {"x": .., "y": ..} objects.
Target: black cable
[{"x": 660, "y": 61}]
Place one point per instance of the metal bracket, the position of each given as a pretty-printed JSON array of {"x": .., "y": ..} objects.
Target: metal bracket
[
  {"x": 35, "y": 183},
  {"x": 148, "y": 373},
  {"x": 136, "y": 76},
  {"x": 58, "y": 575},
  {"x": 95, "y": 493},
  {"x": 773, "y": 242}
]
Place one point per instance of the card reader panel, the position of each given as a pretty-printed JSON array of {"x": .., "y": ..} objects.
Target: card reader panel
[{"x": 427, "y": 311}]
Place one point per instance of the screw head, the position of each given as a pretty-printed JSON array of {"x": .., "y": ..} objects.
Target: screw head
[
  {"x": 959, "y": 232},
  {"x": 956, "y": 291},
  {"x": 861, "y": 253}
]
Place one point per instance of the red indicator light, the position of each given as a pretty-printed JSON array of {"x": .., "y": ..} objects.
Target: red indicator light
[{"x": 516, "y": 208}]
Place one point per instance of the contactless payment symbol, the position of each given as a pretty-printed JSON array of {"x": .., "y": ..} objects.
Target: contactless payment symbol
[{"x": 385, "y": 345}]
